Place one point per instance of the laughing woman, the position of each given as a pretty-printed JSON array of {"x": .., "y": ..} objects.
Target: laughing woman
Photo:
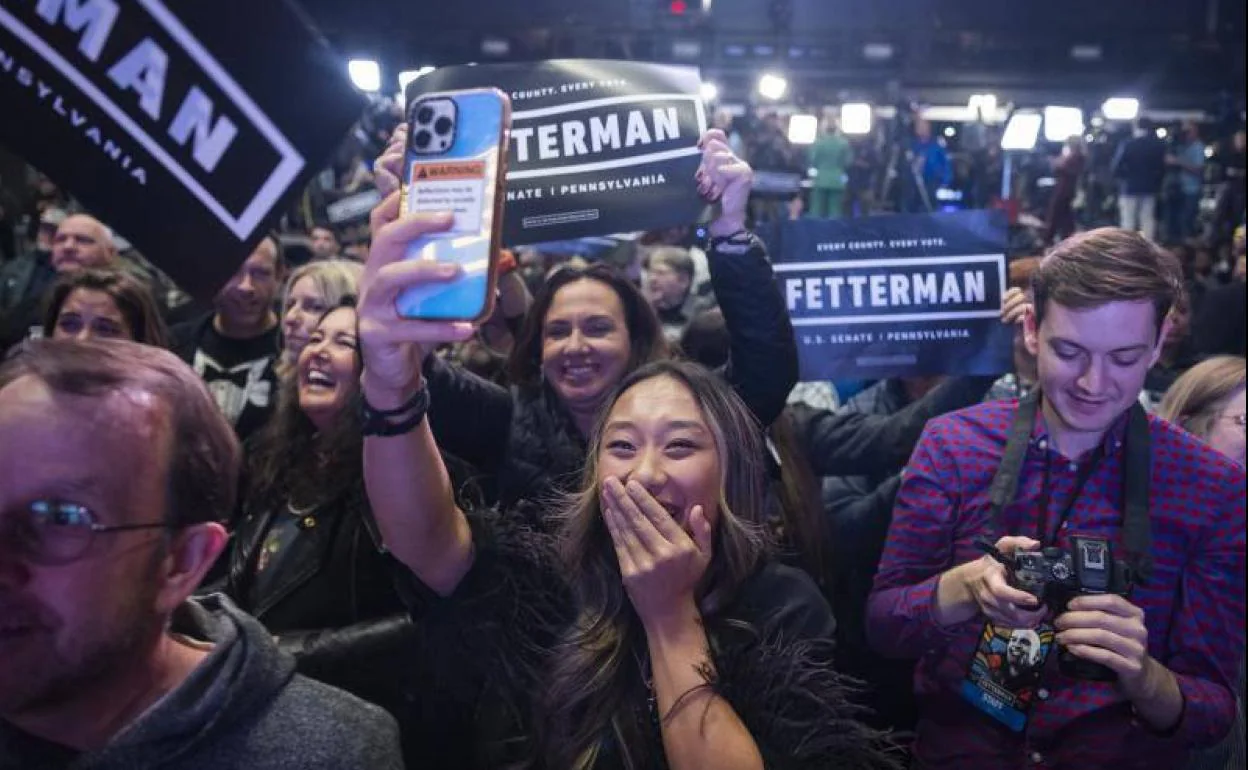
[
  {"x": 305, "y": 559},
  {"x": 655, "y": 632}
]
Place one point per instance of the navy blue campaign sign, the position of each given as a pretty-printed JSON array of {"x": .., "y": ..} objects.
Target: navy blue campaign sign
[
  {"x": 596, "y": 147},
  {"x": 896, "y": 296}
]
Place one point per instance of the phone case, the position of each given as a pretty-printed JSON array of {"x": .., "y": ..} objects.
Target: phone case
[{"x": 455, "y": 161}]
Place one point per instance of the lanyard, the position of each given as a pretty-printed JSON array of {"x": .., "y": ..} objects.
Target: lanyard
[
  {"x": 1136, "y": 527},
  {"x": 1086, "y": 471}
]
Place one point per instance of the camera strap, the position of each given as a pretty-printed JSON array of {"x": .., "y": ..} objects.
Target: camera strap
[{"x": 1136, "y": 473}]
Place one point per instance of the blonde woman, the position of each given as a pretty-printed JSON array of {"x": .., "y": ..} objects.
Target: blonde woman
[
  {"x": 1208, "y": 401},
  {"x": 309, "y": 292}
]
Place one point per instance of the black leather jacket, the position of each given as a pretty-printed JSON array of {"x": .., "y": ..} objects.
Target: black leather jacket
[
  {"x": 524, "y": 441},
  {"x": 333, "y": 605}
]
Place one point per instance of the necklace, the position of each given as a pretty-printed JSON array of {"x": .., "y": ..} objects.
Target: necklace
[{"x": 300, "y": 512}]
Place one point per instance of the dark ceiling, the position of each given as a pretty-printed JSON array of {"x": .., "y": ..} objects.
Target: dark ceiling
[{"x": 1177, "y": 54}]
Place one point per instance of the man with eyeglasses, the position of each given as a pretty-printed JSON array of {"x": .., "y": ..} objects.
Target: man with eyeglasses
[{"x": 116, "y": 468}]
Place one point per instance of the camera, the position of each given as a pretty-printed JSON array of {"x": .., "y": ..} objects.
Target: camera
[
  {"x": 432, "y": 126},
  {"x": 1055, "y": 576}
]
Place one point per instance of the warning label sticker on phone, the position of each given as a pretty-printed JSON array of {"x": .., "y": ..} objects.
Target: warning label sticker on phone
[{"x": 455, "y": 186}]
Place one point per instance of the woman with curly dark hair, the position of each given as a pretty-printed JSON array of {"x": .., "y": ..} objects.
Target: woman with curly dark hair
[{"x": 305, "y": 558}]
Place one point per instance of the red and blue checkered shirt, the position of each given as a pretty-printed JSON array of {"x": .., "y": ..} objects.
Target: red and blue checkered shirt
[{"x": 1193, "y": 603}]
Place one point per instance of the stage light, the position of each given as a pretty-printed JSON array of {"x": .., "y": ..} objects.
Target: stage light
[
  {"x": 1162, "y": 133},
  {"x": 1085, "y": 53},
  {"x": 803, "y": 129},
  {"x": 1021, "y": 131},
  {"x": 709, "y": 91},
  {"x": 1121, "y": 108},
  {"x": 772, "y": 86},
  {"x": 856, "y": 118},
  {"x": 1061, "y": 123},
  {"x": 877, "y": 51},
  {"x": 686, "y": 49},
  {"x": 365, "y": 74},
  {"x": 1209, "y": 151},
  {"x": 951, "y": 132},
  {"x": 678, "y": 7},
  {"x": 983, "y": 104},
  {"x": 407, "y": 76},
  {"x": 495, "y": 46}
]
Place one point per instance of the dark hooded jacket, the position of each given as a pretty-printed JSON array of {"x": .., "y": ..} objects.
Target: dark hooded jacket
[{"x": 242, "y": 708}]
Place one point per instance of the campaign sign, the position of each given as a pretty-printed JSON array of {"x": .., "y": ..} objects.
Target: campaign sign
[
  {"x": 184, "y": 127},
  {"x": 896, "y": 296},
  {"x": 596, "y": 147}
]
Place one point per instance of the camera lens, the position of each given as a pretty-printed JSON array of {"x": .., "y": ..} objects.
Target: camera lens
[
  {"x": 442, "y": 126},
  {"x": 424, "y": 115},
  {"x": 422, "y": 139}
]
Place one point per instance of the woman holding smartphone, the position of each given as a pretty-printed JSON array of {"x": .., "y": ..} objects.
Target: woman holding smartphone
[
  {"x": 655, "y": 631},
  {"x": 589, "y": 328}
]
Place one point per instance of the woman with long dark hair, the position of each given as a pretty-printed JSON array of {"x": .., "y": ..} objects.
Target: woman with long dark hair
[
  {"x": 587, "y": 329},
  {"x": 306, "y": 558},
  {"x": 655, "y": 631}
]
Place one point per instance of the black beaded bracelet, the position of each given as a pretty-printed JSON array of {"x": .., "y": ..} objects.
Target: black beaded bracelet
[
  {"x": 740, "y": 241},
  {"x": 377, "y": 422}
]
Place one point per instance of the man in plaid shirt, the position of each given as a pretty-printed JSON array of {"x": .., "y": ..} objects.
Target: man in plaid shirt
[{"x": 1175, "y": 642}]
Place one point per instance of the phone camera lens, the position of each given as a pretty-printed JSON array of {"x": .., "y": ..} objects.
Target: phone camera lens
[
  {"x": 442, "y": 126},
  {"x": 422, "y": 139},
  {"x": 425, "y": 115}
]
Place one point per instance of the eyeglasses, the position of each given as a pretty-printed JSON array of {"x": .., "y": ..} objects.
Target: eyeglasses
[{"x": 54, "y": 533}]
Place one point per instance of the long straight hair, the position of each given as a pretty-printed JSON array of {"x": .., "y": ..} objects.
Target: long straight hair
[{"x": 596, "y": 698}]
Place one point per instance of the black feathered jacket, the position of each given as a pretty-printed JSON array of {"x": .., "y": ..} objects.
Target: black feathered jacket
[
  {"x": 484, "y": 652},
  {"x": 525, "y": 442}
]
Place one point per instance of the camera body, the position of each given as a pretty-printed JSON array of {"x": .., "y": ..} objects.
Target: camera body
[{"x": 1056, "y": 575}]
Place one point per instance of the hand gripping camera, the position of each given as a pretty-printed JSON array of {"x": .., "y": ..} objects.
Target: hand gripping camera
[{"x": 1055, "y": 576}]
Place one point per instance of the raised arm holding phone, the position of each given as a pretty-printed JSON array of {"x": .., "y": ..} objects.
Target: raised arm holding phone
[{"x": 629, "y": 639}]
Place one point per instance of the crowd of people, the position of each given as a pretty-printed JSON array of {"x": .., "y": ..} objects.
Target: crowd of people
[
  {"x": 1154, "y": 177},
  {"x": 604, "y": 528}
]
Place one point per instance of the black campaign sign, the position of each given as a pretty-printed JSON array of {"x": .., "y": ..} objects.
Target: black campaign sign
[
  {"x": 596, "y": 147},
  {"x": 896, "y": 296},
  {"x": 183, "y": 127}
]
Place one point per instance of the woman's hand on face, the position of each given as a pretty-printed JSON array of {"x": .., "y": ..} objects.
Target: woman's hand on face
[
  {"x": 725, "y": 178},
  {"x": 388, "y": 171},
  {"x": 392, "y": 347},
  {"x": 660, "y": 563}
]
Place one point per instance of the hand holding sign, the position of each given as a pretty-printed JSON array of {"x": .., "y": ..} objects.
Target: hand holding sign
[
  {"x": 1014, "y": 306},
  {"x": 393, "y": 348},
  {"x": 725, "y": 178}
]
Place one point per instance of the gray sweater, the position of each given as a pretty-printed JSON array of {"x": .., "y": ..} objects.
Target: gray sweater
[{"x": 243, "y": 707}]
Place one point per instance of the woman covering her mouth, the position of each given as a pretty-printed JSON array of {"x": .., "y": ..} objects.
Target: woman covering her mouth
[{"x": 590, "y": 327}]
